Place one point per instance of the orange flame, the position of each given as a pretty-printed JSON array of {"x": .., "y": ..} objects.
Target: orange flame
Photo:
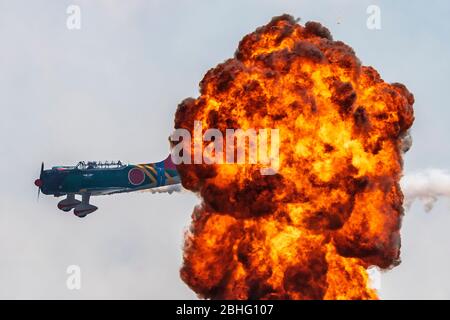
[{"x": 335, "y": 206}]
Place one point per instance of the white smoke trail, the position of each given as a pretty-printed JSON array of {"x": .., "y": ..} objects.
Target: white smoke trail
[
  {"x": 426, "y": 186},
  {"x": 166, "y": 189}
]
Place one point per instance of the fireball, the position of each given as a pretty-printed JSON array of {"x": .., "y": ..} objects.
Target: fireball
[{"x": 334, "y": 206}]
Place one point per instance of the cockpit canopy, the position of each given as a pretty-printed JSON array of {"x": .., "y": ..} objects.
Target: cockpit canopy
[{"x": 82, "y": 165}]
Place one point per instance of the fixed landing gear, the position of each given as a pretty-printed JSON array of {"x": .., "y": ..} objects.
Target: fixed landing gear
[{"x": 83, "y": 209}]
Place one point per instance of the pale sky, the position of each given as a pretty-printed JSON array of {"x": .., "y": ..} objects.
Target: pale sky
[{"x": 110, "y": 90}]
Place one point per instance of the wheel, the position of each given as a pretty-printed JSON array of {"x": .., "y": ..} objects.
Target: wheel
[{"x": 80, "y": 215}]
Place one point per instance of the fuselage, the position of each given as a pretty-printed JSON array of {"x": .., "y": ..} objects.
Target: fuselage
[{"x": 106, "y": 179}]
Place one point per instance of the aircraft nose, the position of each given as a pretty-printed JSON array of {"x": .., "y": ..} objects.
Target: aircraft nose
[{"x": 38, "y": 183}]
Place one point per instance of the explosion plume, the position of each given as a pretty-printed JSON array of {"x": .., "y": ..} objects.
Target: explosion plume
[{"x": 334, "y": 207}]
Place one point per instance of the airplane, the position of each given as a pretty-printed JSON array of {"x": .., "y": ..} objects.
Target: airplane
[{"x": 102, "y": 178}]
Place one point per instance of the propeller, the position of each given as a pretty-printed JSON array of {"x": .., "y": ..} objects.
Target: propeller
[{"x": 38, "y": 182}]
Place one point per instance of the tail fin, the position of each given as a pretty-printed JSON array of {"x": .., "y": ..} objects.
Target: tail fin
[{"x": 168, "y": 163}]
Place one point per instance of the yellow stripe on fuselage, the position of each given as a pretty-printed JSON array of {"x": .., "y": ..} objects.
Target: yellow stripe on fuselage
[
  {"x": 151, "y": 168},
  {"x": 147, "y": 173},
  {"x": 169, "y": 178}
]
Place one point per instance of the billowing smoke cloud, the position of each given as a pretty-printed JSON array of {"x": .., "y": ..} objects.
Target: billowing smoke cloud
[{"x": 426, "y": 186}]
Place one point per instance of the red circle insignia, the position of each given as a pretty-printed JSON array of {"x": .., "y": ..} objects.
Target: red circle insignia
[{"x": 136, "y": 176}]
